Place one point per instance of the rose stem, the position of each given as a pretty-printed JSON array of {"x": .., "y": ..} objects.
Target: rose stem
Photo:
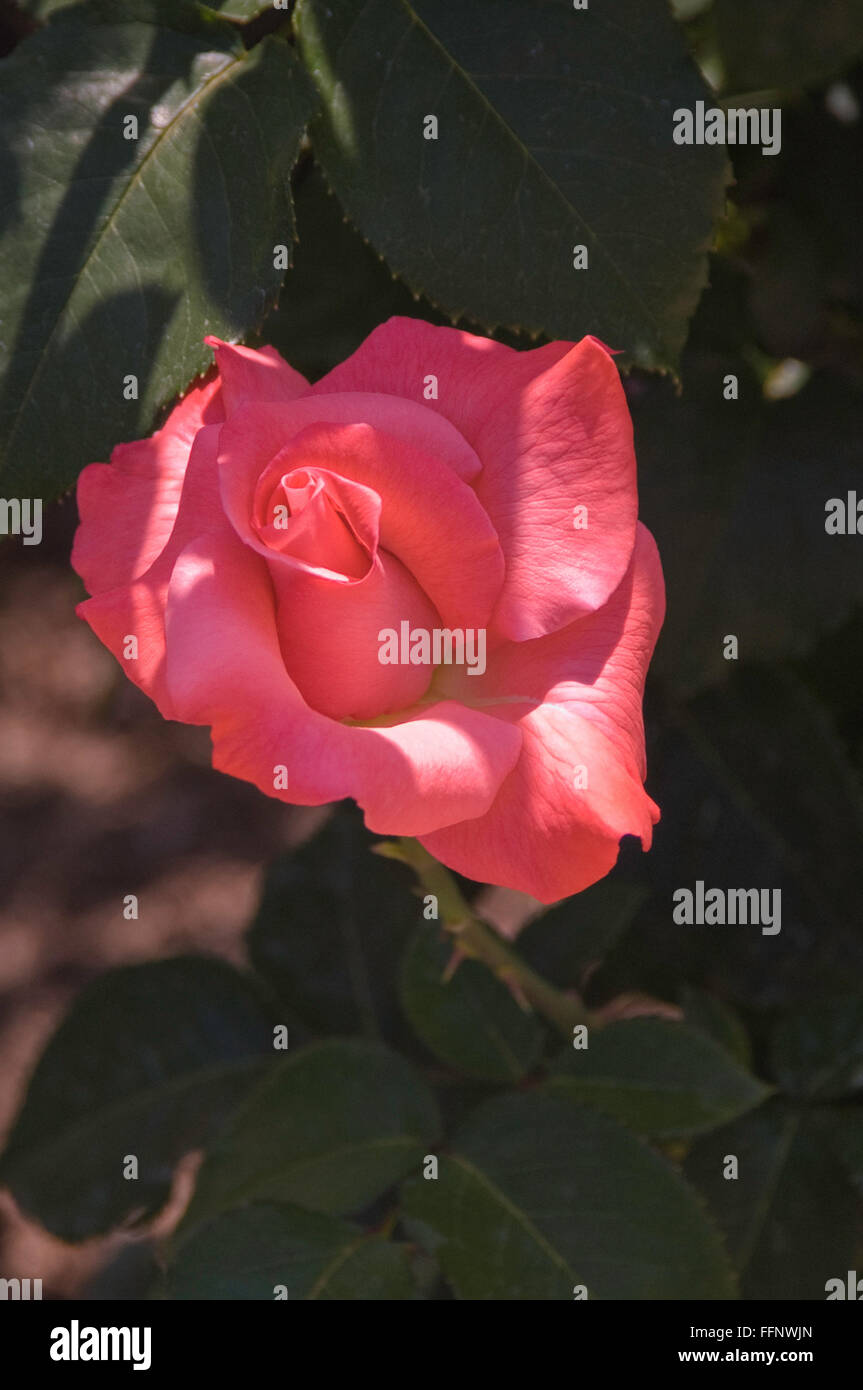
[{"x": 474, "y": 938}]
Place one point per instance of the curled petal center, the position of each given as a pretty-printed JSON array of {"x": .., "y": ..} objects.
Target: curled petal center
[{"x": 317, "y": 518}]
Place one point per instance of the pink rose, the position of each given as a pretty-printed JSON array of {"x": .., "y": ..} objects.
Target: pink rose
[{"x": 280, "y": 551}]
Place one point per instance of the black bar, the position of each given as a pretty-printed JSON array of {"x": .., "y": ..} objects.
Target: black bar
[{"x": 255, "y": 1338}]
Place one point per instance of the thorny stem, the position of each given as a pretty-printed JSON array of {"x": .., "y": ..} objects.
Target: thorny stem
[{"x": 474, "y": 938}]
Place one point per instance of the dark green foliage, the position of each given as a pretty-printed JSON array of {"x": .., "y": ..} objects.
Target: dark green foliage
[
  {"x": 148, "y": 1064},
  {"x": 535, "y": 104}
]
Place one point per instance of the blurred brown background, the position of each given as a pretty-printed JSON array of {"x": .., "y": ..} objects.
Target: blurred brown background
[{"x": 99, "y": 797}]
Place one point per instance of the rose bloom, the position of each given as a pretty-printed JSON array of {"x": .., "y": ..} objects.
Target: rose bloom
[{"x": 260, "y": 543}]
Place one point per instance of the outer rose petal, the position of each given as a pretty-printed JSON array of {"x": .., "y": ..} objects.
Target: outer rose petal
[
  {"x": 138, "y": 609},
  {"x": 473, "y": 374},
  {"x": 552, "y": 429},
  {"x": 249, "y": 375},
  {"x": 596, "y": 667},
  {"x": 224, "y": 668},
  {"x": 542, "y": 836},
  {"x": 412, "y": 423},
  {"x": 127, "y": 507},
  {"x": 569, "y": 444},
  {"x": 139, "y": 612}
]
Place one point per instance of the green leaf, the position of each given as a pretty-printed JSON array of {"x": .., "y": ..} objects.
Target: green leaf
[
  {"x": 331, "y": 925},
  {"x": 184, "y": 15},
  {"x": 788, "y": 1217},
  {"x": 742, "y": 536},
  {"x": 786, "y": 43},
  {"x": 244, "y": 10},
  {"x": 757, "y": 791},
  {"x": 572, "y": 937},
  {"x": 845, "y": 1129},
  {"x": 804, "y": 272},
  {"x": 149, "y": 1062},
  {"x": 330, "y": 1129},
  {"x": 537, "y": 1195},
  {"x": 555, "y": 131},
  {"x": 337, "y": 289},
  {"x": 248, "y": 1253},
  {"x": 126, "y": 252},
  {"x": 817, "y": 1050},
  {"x": 41, "y": 9},
  {"x": 772, "y": 748},
  {"x": 660, "y": 1078},
  {"x": 470, "y": 1021},
  {"x": 719, "y": 1021}
]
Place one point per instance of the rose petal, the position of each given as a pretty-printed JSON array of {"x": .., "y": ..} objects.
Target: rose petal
[
  {"x": 138, "y": 609},
  {"x": 225, "y": 669},
  {"x": 335, "y": 532},
  {"x": 127, "y": 507},
  {"x": 410, "y": 422},
  {"x": 595, "y": 667},
  {"x": 329, "y": 633},
  {"x": 552, "y": 429},
  {"x": 545, "y": 835},
  {"x": 430, "y": 520},
  {"x": 249, "y": 375},
  {"x": 472, "y": 375},
  {"x": 568, "y": 444}
]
